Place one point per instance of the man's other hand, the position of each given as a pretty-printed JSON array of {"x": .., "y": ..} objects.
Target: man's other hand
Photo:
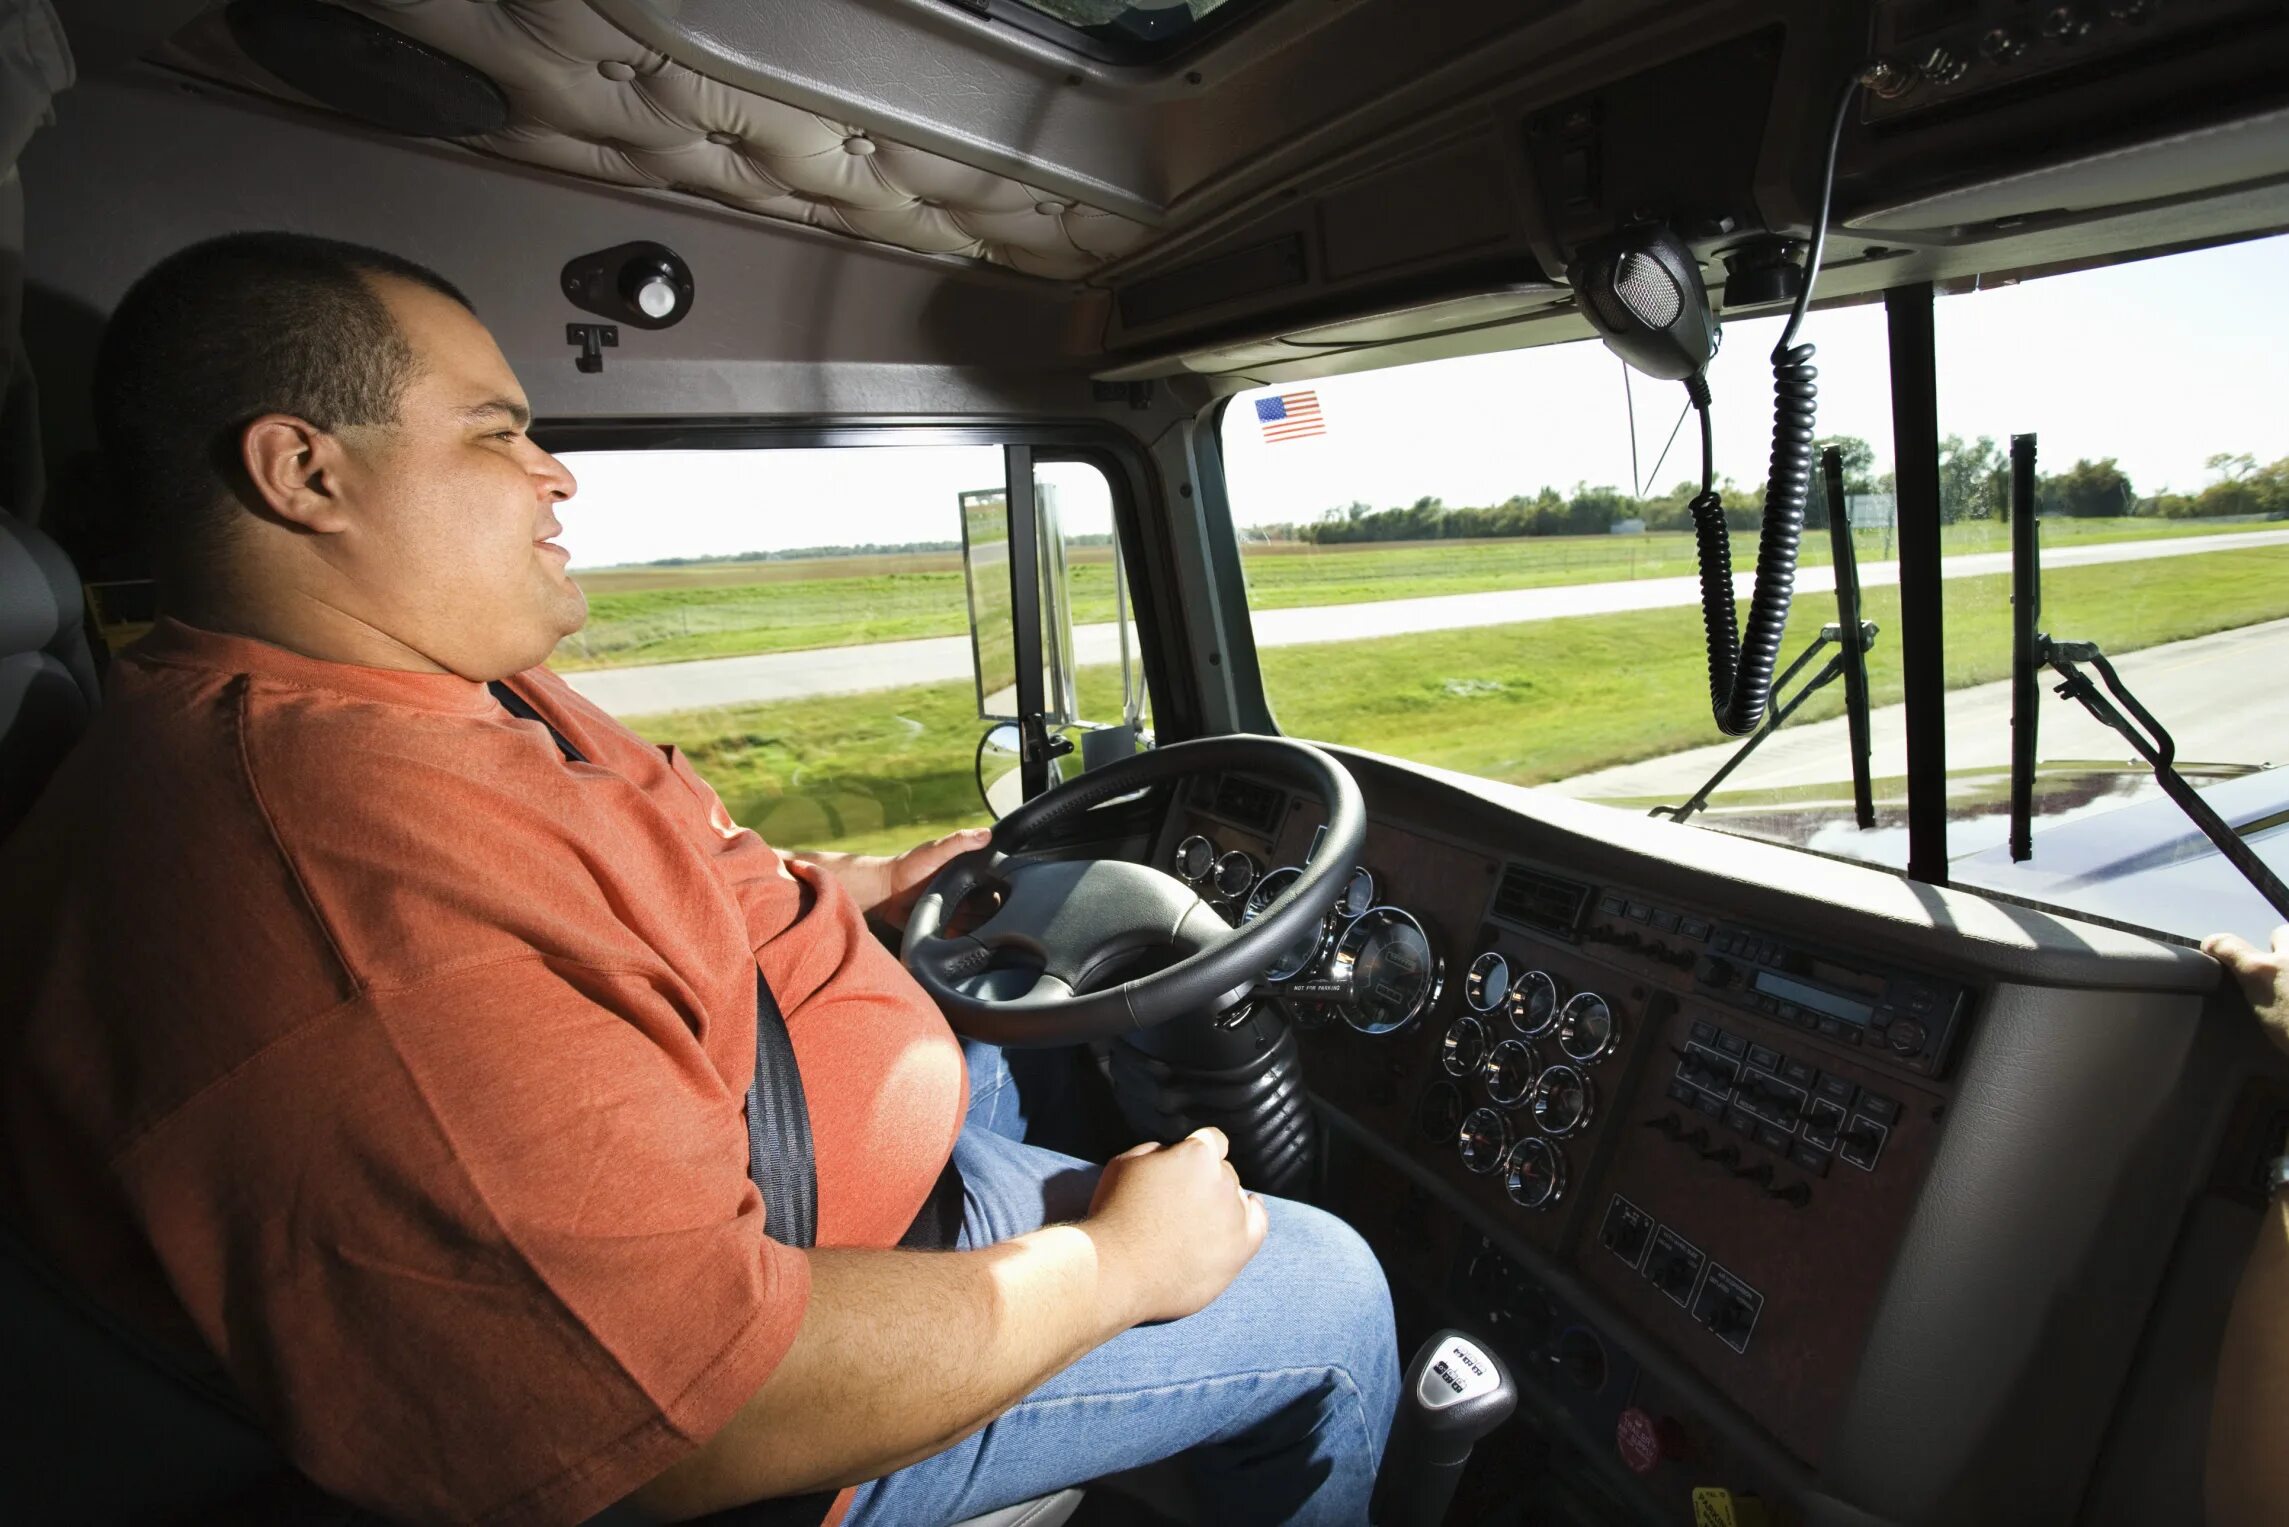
[
  {"x": 2263, "y": 974},
  {"x": 1175, "y": 1224},
  {"x": 888, "y": 887}
]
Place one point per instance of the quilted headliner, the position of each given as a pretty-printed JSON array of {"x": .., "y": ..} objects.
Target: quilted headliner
[{"x": 587, "y": 100}]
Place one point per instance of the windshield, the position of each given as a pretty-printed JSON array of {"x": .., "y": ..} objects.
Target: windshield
[{"x": 1483, "y": 564}]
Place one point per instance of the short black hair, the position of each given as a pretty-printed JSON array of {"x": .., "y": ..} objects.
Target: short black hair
[{"x": 221, "y": 333}]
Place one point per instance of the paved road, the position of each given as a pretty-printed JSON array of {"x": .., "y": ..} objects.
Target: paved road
[
  {"x": 940, "y": 659},
  {"x": 2218, "y": 695}
]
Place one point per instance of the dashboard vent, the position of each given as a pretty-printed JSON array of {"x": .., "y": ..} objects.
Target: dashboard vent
[
  {"x": 1532, "y": 899},
  {"x": 1247, "y": 803}
]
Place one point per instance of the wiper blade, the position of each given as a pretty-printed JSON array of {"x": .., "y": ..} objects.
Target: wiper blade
[
  {"x": 1851, "y": 636},
  {"x": 2033, "y": 650}
]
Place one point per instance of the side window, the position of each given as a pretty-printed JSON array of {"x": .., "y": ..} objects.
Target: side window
[{"x": 796, "y": 621}]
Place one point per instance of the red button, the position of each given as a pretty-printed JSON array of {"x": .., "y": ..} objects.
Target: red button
[{"x": 1644, "y": 1441}]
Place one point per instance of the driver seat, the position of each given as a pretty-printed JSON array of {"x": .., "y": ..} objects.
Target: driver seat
[{"x": 111, "y": 1425}]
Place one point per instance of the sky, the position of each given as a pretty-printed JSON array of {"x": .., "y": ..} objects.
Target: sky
[{"x": 2158, "y": 364}]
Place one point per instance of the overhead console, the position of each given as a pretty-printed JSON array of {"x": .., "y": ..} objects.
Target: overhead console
[
  {"x": 1934, "y": 53},
  {"x": 1668, "y": 1139}
]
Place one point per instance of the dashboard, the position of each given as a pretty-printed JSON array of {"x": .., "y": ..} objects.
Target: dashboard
[{"x": 1771, "y": 1176}]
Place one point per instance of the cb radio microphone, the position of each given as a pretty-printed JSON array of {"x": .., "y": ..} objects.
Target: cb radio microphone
[{"x": 1641, "y": 290}]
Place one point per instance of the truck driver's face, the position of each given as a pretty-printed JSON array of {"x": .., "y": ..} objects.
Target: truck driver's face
[{"x": 457, "y": 550}]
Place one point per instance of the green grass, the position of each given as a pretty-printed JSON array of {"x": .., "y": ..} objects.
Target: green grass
[
  {"x": 667, "y": 615},
  {"x": 1524, "y": 703}
]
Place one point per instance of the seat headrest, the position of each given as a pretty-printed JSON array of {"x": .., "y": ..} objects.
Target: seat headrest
[
  {"x": 48, "y": 683},
  {"x": 40, "y": 601}
]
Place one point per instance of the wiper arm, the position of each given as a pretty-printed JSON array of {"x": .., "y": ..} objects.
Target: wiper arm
[
  {"x": 2033, "y": 650},
  {"x": 1852, "y": 638},
  {"x": 2154, "y": 744}
]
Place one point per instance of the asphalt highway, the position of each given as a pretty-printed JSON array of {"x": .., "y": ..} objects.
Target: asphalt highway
[
  {"x": 2217, "y": 695},
  {"x": 719, "y": 681}
]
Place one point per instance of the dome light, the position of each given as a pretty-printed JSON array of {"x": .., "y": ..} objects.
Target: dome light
[{"x": 644, "y": 285}]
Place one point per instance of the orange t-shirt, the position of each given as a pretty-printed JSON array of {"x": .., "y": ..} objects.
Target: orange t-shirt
[{"x": 356, "y": 1038}]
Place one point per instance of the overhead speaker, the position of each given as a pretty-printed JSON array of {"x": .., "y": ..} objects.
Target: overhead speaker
[{"x": 365, "y": 70}]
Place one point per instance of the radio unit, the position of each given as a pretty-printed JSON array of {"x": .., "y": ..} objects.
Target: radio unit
[{"x": 1906, "y": 1019}]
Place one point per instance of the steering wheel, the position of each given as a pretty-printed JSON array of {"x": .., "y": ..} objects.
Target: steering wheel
[{"x": 1033, "y": 973}]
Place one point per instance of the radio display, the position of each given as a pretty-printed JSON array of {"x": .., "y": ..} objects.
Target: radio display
[{"x": 1819, "y": 1001}]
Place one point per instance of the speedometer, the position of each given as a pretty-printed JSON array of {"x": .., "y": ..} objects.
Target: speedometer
[
  {"x": 1384, "y": 970},
  {"x": 1304, "y": 953}
]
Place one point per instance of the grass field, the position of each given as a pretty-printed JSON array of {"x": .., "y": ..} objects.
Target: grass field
[
  {"x": 1525, "y": 703},
  {"x": 672, "y": 614}
]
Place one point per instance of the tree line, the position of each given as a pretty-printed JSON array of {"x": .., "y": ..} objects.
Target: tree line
[{"x": 1974, "y": 484}]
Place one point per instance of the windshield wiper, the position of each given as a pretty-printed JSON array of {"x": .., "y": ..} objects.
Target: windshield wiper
[
  {"x": 2033, "y": 650},
  {"x": 1852, "y": 638}
]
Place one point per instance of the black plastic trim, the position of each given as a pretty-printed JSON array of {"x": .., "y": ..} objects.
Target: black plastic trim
[
  {"x": 1923, "y": 652},
  {"x": 1223, "y": 554}
]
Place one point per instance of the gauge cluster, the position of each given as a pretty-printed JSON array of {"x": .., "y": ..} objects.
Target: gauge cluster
[
  {"x": 1368, "y": 965},
  {"x": 1520, "y": 1066}
]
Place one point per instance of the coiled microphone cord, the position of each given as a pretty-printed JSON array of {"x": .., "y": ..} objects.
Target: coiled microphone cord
[{"x": 1742, "y": 659}]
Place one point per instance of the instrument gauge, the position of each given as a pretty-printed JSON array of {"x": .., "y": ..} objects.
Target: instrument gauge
[
  {"x": 1563, "y": 1101},
  {"x": 1510, "y": 1071},
  {"x": 1309, "y": 945},
  {"x": 1535, "y": 1173},
  {"x": 1195, "y": 857},
  {"x": 1234, "y": 873},
  {"x": 1439, "y": 1115},
  {"x": 1587, "y": 1031},
  {"x": 1533, "y": 1003},
  {"x": 1463, "y": 1048},
  {"x": 1488, "y": 983},
  {"x": 1484, "y": 1140},
  {"x": 1358, "y": 894},
  {"x": 1384, "y": 973}
]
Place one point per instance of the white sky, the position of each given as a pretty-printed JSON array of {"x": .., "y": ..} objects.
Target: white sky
[{"x": 2159, "y": 364}]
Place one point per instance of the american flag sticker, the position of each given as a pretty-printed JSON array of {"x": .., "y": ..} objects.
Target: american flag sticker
[{"x": 1290, "y": 416}]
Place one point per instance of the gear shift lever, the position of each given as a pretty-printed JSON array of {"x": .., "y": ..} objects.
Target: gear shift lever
[{"x": 1455, "y": 1392}]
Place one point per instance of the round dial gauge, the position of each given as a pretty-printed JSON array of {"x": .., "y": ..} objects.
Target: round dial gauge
[
  {"x": 1533, "y": 1003},
  {"x": 1511, "y": 1069},
  {"x": 1358, "y": 894},
  {"x": 1535, "y": 1174},
  {"x": 1563, "y": 1100},
  {"x": 1195, "y": 857},
  {"x": 1484, "y": 1140},
  {"x": 1439, "y": 1114},
  {"x": 1304, "y": 953},
  {"x": 1235, "y": 872},
  {"x": 1586, "y": 1029},
  {"x": 1386, "y": 969},
  {"x": 1488, "y": 982},
  {"x": 1463, "y": 1048}
]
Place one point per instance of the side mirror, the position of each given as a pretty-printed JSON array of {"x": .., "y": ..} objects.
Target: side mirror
[{"x": 1001, "y": 783}]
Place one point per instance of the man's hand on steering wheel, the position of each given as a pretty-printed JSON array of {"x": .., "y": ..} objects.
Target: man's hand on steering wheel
[
  {"x": 1078, "y": 948},
  {"x": 885, "y": 886}
]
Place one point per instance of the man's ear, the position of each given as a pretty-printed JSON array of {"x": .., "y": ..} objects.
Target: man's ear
[{"x": 297, "y": 469}]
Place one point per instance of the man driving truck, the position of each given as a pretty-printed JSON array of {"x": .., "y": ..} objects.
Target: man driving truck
[{"x": 385, "y": 1040}]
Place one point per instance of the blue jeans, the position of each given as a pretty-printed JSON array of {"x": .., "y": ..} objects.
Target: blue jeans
[{"x": 1279, "y": 1393}]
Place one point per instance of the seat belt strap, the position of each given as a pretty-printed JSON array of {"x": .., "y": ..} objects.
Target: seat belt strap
[{"x": 779, "y": 1157}]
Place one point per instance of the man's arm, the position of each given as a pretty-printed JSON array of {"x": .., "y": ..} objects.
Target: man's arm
[
  {"x": 901, "y": 1354},
  {"x": 888, "y": 886},
  {"x": 2248, "y": 1466}
]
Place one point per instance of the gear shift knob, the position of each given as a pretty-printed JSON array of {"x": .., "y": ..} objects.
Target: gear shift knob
[{"x": 1455, "y": 1392}]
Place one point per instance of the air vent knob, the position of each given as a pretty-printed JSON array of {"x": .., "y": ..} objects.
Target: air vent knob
[{"x": 2005, "y": 45}]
